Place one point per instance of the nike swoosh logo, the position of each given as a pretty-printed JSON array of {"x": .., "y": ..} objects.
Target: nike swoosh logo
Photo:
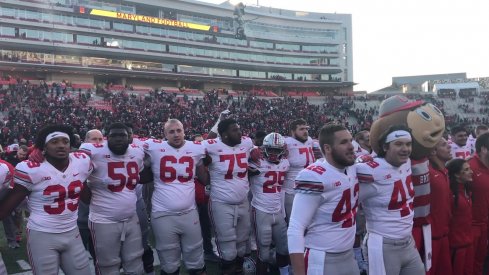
[
  {"x": 74, "y": 175},
  {"x": 397, "y": 135}
]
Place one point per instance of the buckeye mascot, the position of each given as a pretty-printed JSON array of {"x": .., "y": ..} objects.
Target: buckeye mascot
[{"x": 427, "y": 125}]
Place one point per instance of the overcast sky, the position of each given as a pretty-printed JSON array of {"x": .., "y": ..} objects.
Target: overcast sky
[{"x": 408, "y": 37}]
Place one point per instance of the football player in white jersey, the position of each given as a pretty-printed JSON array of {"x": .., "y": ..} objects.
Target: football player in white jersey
[
  {"x": 174, "y": 217},
  {"x": 479, "y": 130},
  {"x": 113, "y": 221},
  {"x": 386, "y": 194},
  {"x": 92, "y": 136},
  {"x": 460, "y": 148},
  {"x": 53, "y": 189},
  {"x": 266, "y": 179},
  {"x": 322, "y": 225},
  {"x": 300, "y": 155},
  {"x": 227, "y": 159}
]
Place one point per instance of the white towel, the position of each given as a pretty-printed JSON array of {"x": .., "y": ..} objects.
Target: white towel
[
  {"x": 427, "y": 246},
  {"x": 375, "y": 254},
  {"x": 315, "y": 262}
]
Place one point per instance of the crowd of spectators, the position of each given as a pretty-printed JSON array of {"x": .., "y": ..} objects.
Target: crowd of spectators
[{"x": 27, "y": 108}]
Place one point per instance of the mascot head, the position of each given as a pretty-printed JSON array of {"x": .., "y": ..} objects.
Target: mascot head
[{"x": 426, "y": 122}]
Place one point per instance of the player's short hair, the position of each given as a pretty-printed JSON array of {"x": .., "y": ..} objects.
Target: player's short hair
[
  {"x": 118, "y": 125},
  {"x": 23, "y": 148},
  {"x": 260, "y": 134},
  {"x": 224, "y": 125},
  {"x": 90, "y": 132},
  {"x": 482, "y": 141},
  {"x": 171, "y": 121},
  {"x": 383, "y": 137},
  {"x": 196, "y": 136},
  {"x": 296, "y": 122},
  {"x": 326, "y": 134},
  {"x": 457, "y": 129},
  {"x": 481, "y": 127},
  {"x": 45, "y": 131},
  {"x": 359, "y": 135}
]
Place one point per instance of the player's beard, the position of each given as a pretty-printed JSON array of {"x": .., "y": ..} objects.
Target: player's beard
[
  {"x": 118, "y": 150},
  {"x": 341, "y": 160}
]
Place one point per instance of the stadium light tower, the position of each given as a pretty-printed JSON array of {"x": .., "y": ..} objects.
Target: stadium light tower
[{"x": 239, "y": 12}]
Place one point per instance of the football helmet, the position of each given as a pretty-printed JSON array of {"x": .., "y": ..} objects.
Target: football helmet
[
  {"x": 249, "y": 266},
  {"x": 274, "y": 148}
]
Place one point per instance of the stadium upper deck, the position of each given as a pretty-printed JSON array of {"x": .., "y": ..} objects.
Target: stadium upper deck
[{"x": 175, "y": 43}]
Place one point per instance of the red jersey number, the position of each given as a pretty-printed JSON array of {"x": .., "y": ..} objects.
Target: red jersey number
[
  {"x": 168, "y": 173},
  {"x": 128, "y": 178},
  {"x": 344, "y": 212},
  {"x": 399, "y": 191},
  {"x": 73, "y": 190},
  {"x": 274, "y": 182},
  {"x": 240, "y": 160},
  {"x": 309, "y": 155}
]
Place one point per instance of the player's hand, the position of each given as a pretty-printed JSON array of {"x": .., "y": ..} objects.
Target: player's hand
[
  {"x": 224, "y": 114},
  {"x": 256, "y": 155},
  {"x": 364, "y": 159},
  {"x": 36, "y": 155}
]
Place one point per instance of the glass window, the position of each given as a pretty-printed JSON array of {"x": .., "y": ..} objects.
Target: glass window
[
  {"x": 47, "y": 17},
  {"x": 62, "y": 37},
  {"x": 7, "y": 31},
  {"x": 84, "y": 39},
  {"x": 219, "y": 71},
  {"x": 30, "y": 34},
  {"x": 259, "y": 44},
  {"x": 97, "y": 23},
  {"x": 142, "y": 29},
  {"x": 155, "y": 31},
  {"x": 33, "y": 15},
  {"x": 122, "y": 27},
  {"x": 287, "y": 47},
  {"x": 8, "y": 12},
  {"x": 82, "y": 22}
]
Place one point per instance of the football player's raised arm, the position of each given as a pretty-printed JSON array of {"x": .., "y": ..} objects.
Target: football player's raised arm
[
  {"x": 12, "y": 199},
  {"x": 303, "y": 211},
  {"x": 213, "y": 133}
]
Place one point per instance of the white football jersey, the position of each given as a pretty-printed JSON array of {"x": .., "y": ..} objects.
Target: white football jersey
[
  {"x": 12, "y": 148},
  {"x": 228, "y": 170},
  {"x": 461, "y": 152},
  {"x": 359, "y": 151},
  {"x": 113, "y": 182},
  {"x": 471, "y": 144},
  {"x": 53, "y": 201},
  {"x": 332, "y": 228},
  {"x": 139, "y": 141},
  {"x": 266, "y": 186},
  {"x": 300, "y": 155},
  {"x": 386, "y": 195},
  {"x": 5, "y": 176},
  {"x": 174, "y": 170}
]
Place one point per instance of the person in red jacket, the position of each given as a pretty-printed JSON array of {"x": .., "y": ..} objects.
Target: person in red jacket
[
  {"x": 480, "y": 200},
  {"x": 460, "y": 239},
  {"x": 440, "y": 208}
]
